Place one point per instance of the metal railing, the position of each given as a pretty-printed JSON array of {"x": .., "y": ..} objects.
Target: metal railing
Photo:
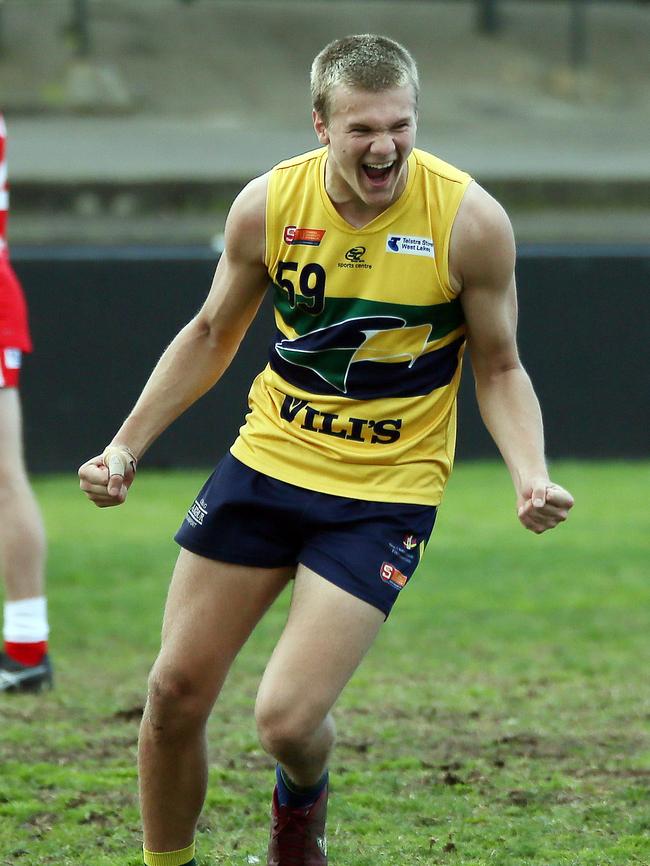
[{"x": 489, "y": 21}]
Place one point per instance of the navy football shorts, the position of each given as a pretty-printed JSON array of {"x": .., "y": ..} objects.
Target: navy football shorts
[{"x": 369, "y": 549}]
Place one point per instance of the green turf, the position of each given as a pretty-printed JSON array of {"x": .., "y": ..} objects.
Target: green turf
[{"x": 503, "y": 717}]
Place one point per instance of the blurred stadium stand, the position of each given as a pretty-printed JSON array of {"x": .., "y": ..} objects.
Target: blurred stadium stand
[
  {"x": 136, "y": 124},
  {"x": 119, "y": 143}
]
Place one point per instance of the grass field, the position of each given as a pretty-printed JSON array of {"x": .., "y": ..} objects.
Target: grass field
[{"x": 503, "y": 717}]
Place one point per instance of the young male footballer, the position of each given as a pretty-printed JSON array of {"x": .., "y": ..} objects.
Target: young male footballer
[{"x": 384, "y": 263}]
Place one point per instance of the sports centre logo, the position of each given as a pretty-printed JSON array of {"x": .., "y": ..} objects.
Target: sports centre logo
[
  {"x": 355, "y": 254},
  {"x": 354, "y": 258}
]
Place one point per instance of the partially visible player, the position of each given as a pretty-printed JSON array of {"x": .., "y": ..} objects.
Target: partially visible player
[{"x": 24, "y": 663}]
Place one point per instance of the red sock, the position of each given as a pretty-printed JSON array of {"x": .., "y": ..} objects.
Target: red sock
[{"x": 26, "y": 653}]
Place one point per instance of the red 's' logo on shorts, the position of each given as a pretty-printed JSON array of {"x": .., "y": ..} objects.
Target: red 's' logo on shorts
[
  {"x": 390, "y": 574},
  {"x": 308, "y": 237}
]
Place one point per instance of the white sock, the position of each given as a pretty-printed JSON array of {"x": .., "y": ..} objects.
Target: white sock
[{"x": 25, "y": 621}]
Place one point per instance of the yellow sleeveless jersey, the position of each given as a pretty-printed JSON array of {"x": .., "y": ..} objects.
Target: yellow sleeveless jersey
[{"x": 359, "y": 396}]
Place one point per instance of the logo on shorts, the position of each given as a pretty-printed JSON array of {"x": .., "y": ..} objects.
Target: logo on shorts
[
  {"x": 308, "y": 237},
  {"x": 13, "y": 359},
  {"x": 410, "y": 541},
  {"x": 392, "y": 575},
  {"x": 198, "y": 510}
]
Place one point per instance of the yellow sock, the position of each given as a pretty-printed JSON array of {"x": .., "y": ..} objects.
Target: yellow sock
[{"x": 182, "y": 857}]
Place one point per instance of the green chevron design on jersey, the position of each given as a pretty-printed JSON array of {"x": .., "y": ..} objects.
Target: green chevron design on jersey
[
  {"x": 332, "y": 365},
  {"x": 443, "y": 318}
]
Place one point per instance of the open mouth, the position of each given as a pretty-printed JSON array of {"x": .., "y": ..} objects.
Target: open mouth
[{"x": 378, "y": 172}]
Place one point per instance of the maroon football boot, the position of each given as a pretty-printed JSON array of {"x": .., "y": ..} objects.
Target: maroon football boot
[{"x": 298, "y": 835}]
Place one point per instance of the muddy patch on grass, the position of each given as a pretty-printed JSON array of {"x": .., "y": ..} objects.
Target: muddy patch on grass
[
  {"x": 113, "y": 748},
  {"x": 130, "y": 714}
]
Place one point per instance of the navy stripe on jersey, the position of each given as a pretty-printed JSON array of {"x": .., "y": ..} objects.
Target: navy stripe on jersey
[{"x": 336, "y": 372}]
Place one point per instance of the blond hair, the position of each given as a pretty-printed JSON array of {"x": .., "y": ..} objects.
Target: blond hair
[{"x": 364, "y": 61}]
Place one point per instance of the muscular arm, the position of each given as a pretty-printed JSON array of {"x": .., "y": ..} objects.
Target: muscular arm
[
  {"x": 482, "y": 259},
  {"x": 201, "y": 352}
]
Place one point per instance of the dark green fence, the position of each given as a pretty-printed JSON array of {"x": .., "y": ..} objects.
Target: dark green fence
[{"x": 100, "y": 319}]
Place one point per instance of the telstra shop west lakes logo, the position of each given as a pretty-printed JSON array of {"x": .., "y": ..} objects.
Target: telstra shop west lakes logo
[{"x": 409, "y": 245}]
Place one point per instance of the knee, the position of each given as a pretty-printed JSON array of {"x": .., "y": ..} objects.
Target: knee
[
  {"x": 176, "y": 703},
  {"x": 285, "y": 730}
]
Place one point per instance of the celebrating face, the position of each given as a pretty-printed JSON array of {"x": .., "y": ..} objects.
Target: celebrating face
[{"x": 370, "y": 136}]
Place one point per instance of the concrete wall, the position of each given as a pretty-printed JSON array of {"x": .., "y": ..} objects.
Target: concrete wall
[{"x": 100, "y": 319}]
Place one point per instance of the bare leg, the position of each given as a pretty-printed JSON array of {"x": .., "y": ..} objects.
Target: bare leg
[
  {"x": 212, "y": 607},
  {"x": 326, "y": 636},
  {"x": 22, "y": 536}
]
